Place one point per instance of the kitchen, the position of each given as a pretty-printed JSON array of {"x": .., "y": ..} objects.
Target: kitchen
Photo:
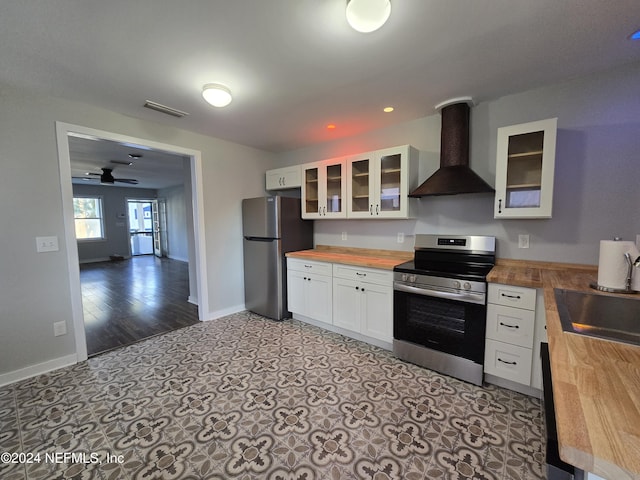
[{"x": 595, "y": 194}]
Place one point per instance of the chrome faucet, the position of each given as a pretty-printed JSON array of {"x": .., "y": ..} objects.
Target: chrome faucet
[{"x": 630, "y": 264}]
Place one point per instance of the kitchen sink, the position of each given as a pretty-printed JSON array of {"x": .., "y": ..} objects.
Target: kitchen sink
[{"x": 597, "y": 315}]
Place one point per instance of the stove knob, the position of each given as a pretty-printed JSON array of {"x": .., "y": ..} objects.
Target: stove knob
[
  {"x": 412, "y": 278},
  {"x": 466, "y": 286},
  {"x": 404, "y": 277},
  {"x": 456, "y": 284}
]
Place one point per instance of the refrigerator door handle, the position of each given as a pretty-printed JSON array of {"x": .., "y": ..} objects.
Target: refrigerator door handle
[{"x": 261, "y": 239}]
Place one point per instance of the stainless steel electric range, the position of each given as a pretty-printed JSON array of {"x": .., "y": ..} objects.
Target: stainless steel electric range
[{"x": 440, "y": 304}]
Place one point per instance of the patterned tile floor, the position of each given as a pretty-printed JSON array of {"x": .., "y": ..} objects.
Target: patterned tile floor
[{"x": 249, "y": 398}]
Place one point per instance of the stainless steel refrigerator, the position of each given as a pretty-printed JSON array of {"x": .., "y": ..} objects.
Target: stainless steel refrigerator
[{"x": 271, "y": 227}]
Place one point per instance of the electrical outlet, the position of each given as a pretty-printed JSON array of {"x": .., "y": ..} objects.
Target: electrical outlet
[
  {"x": 59, "y": 328},
  {"x": 400, "y": 238},
  {"x": 344, "y": 235},
  {"x": 523, "y": 241},
  {"x": 47, "y": 244}
]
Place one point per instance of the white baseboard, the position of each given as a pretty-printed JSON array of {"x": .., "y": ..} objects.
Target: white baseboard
[
  {"x": 224, "y": 312},
  {"x": 38, "y": 369},
  {"x": 193, "y": 300},
  {"x": 180, "y": 259}
]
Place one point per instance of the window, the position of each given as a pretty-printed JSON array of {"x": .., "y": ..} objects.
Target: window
[{"x": 87, "y": 214}]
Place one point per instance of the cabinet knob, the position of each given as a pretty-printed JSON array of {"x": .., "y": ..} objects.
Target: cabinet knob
[{"x": 357, "y": 288}]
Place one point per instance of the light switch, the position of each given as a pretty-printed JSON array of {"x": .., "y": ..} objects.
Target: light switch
[{"x": 47, "y": 244}]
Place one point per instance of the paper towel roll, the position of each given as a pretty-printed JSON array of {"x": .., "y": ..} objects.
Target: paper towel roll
[{"x": 612, "y": 264}]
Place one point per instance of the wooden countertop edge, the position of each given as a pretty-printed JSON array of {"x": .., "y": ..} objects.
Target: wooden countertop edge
[
  {"x": 359, "y": 257},
  {"x": 574, "y": 368}
]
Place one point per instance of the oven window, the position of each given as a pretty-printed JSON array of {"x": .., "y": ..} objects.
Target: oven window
[{"x": 444, "y": 317}]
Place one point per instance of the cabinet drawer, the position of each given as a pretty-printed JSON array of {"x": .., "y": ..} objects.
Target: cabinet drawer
[
  {"x": 510, "y": 325},
  {"x": 300, "y": 265},
  {"x": 370, "y": 275},
  {"x": 510, "y": 296},
  {"x": 508, "y": 361}
]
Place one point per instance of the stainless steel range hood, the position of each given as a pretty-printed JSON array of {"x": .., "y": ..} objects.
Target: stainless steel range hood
[{"x": 454, "y": 175}]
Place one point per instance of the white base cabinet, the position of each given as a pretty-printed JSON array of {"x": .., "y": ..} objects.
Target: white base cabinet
[
  {"x": 515, "y": 327},
  {"x": 353, "y": 301},
  {"x": 363, "y": 301},
  {"x": 309, "y": 289}
]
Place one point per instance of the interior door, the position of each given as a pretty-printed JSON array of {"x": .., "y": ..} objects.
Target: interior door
[{"x": 157, "y": 231}]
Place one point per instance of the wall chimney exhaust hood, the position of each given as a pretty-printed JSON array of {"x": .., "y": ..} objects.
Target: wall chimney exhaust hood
[{"x": 454, "y": 175}]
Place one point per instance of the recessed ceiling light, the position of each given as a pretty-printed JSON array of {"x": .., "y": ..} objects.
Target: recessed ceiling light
[
  {"x": 635, "y": 35},
  {"x": 331, "y": 126},
  {"x": 387, "y": 109}
]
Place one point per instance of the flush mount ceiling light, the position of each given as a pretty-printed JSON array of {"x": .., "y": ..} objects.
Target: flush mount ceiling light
[
  {"x": 367, "y": 15},
  {"x": 216, "y": 94}
]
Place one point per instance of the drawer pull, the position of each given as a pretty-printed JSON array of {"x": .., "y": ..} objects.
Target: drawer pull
[
  {"x": 308, "y": 266},
  {"x": 509, "y": 326},
  {"x": 508, "y": 363},
  {"x": 517, "y": 297},
  {"x": 361, "y": 274}
]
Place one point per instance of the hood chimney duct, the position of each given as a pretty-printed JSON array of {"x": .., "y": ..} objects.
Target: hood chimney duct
[{"x": 454, "y": 175}]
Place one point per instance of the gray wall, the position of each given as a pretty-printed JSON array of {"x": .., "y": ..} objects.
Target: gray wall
[
  {"x": 34, "y": 287},
  {"x": 177, "y": 240},
  {"x": 597, "y": 174},
  {"x": 114, "y": 200}
]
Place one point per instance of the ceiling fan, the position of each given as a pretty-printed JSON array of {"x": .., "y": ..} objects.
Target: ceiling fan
[{"x": 106, "y": 177}]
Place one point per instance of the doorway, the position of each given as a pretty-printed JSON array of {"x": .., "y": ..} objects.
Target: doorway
[
  {"x": 145, "y": 232},
  {"x": 194, "y": 194}
]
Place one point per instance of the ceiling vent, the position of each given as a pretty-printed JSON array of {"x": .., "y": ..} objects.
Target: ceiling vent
[{"x": 164, "y": 109}]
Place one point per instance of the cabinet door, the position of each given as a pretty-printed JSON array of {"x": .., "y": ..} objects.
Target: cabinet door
[
  {"x": 360, "y": 186},
  {"x": 524, "y": 170},
  {"x": 390, "y": 183},
  {"x": 296, "y": 292},
  {"x": 377, "y": 311},
  {"x": 311, "y": 191},
  {"x": 282, "y": 178},
  {"x": 319, "y": 298},
  {"x": 335, "y": 189},
  {"x": 347, "y": 299}
]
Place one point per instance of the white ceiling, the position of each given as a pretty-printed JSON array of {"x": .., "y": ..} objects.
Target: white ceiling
[{"x": 295, "y": 65}]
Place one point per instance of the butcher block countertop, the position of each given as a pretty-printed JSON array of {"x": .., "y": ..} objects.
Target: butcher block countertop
[
  {"x": 596, "y": 383},
  {"x": 359, "y": 257}
]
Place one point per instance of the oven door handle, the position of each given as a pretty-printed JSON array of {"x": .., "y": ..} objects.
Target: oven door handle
[{"x": 467, "y": 297}]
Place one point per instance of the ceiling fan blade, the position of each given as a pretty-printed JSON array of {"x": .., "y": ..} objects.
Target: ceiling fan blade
[
  {"x": 85, "y": 178},
  {"x": 131, "y": 181}
]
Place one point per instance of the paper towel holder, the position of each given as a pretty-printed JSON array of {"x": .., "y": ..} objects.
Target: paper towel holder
[{"x": 630, "y": 264}]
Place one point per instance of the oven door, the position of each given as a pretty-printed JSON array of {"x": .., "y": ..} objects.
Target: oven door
[{"x": 449, "y": 324}]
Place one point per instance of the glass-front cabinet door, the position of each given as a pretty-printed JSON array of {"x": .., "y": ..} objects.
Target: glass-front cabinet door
[
  {"x": 324, "y": 189},
  {"x": 360, "y": 186},
  {"x": 524, "y": 170},
  {"x": 379, "y": 183},
  {"x": 389, "y": 184}
]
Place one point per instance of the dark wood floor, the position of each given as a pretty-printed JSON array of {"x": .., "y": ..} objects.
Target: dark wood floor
[{"x": 126, "y": 301}]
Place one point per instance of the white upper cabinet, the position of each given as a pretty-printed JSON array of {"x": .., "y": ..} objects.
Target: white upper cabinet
[
  {"x": 282, "y": 178},
  {"x": 324, "y": 189},
  {"x": 378, "y": 183},
  {"x": 524, "y": 170}
]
